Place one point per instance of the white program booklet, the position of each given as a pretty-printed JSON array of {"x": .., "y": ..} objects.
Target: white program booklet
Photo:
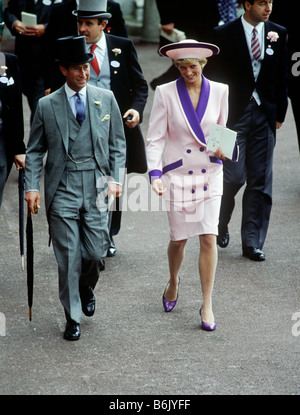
[
  {"x": 175, "y": 36},
  {"x": 28, "y": 19},
  {"x": 222, "y": 137}
]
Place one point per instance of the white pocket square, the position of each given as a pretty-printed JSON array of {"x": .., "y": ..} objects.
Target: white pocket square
[{"x": 106, "y": 117}]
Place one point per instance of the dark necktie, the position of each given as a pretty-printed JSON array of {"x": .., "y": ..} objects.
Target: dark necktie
[
  {"x": 80, "y": 110},
  {"x": 255, "y": 47}
]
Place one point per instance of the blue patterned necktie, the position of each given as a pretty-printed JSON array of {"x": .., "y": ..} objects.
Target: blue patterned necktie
[{"x": 80, "y": 110}]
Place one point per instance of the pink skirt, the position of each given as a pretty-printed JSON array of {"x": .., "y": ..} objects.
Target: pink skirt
[{"x": 194, "y": 218}]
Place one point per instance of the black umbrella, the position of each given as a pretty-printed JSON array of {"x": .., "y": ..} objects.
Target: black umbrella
[
  {"x": 21, "y": 214},
  {"x": 29, "y": 241}
]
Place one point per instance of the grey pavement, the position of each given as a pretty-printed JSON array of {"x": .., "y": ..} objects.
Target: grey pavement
[{"x": 131, "y": 346}]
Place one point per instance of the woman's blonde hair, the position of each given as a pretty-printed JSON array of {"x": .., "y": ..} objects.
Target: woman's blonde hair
[{"x": 202, "y": 61}]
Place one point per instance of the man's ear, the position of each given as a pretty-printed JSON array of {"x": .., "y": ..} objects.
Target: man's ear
[{"x": 63, "y": 70}]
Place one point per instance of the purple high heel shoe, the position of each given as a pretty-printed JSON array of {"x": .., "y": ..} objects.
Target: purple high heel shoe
[
  {"x": 169, "y": 305},
  {"x": 207, "y": 326}
]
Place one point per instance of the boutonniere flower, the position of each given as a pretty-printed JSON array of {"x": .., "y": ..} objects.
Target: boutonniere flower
[
  {"x": 272, "y": 36},
  {"x": 117, "y": 51},
  {"x": 97, "y": 103}
]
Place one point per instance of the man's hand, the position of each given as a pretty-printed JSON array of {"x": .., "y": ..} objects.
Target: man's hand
[
  {"x": 168, "y": 28},
  {"x": 134, "y": 118},
  {"x": 33, "y": 200},
  {"x": 19, "y": 27},
  {"x": 19, "y": 161},
  {"x": 36, "y": 30},
  {"x": 114, "y": 189}
]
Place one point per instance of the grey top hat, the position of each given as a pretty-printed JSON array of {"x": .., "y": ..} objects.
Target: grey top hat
[
  {"x": 72, "y": 50},
  {"x": 92, "y": 8}
]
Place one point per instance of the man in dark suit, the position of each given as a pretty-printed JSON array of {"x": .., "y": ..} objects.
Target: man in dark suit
[
  {"x": 29, "y": 45},
  {"x": 12, "y": 147},
  {"x": 80, "y": 128},
  {"x": 196, "y": 25},
  {"x": 283, "y": 16},
  {"x": 63, "y": 23},
  {"x": 257, "y": 80},
  {"x": 119, "y": 71}
]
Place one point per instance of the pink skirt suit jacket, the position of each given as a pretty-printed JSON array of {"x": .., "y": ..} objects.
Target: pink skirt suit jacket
[{"x": 176, "y": 153}]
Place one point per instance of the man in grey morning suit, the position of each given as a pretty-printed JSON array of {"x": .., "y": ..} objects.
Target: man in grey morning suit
[{"x": 86, "y": 155}]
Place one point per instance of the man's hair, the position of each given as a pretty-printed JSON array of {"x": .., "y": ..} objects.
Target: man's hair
[{"x": 249, "y": 1}]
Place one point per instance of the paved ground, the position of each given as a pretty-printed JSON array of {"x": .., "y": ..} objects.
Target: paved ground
[{"x": 130, "y": 346}]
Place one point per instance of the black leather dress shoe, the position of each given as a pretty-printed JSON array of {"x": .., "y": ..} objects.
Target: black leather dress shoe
[
  {"x": 255, "y": 254},
  {"x": 88, "y": 301},
  {"x": 72, "y": 331},
  {"x": 223, "y": 239},
  {"x": 112, "y": 251}
]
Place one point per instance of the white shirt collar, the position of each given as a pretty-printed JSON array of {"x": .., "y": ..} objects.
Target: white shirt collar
[
  {"x": 248, "y": 27},
  {"x": 101, "y": 42},
  {"x": 70, "y": 92}
]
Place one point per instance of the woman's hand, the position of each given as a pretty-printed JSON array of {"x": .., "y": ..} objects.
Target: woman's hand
[
  {"x": 219, "y": 154},
  {"x": 157, "y": 186}
]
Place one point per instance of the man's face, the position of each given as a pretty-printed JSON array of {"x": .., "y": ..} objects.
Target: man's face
[
  {"x": 258, "y": 12},
  {"x": 91, "y": 29},
  {"x": 77, "y": 76}
]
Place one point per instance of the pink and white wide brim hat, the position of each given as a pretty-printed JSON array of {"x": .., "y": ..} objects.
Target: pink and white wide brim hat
[{"x": 189, "y": 49}]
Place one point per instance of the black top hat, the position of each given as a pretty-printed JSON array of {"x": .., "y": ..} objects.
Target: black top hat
[{"x": 72, "y": 50}]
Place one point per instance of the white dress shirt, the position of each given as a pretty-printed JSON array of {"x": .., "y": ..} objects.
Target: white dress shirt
[
  {"x": 256, "y": 63},
  {"x": 100, "y": 49},
  {"x": 72, "y": 97}
]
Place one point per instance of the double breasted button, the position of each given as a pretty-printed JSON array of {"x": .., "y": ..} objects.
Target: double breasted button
[
  {"x": 203, "y": 171},
  {"x": 201, "y": 149},
  {"x": 188, "y": 150},
  {"x": 191, "y": 172}
]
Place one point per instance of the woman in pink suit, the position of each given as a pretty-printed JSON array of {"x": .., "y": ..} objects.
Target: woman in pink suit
[{"x": 181, "y": 168}]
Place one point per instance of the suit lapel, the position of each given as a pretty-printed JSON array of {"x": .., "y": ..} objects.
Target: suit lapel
[
  {"x": 114, "y": 69},
  {"x": 59, "y": 105},
  {"x": 95, "y": 109},
  {"x": 268, "y": 60}
]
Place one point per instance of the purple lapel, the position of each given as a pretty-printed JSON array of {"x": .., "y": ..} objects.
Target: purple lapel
[{"x": 194, "y": 117}]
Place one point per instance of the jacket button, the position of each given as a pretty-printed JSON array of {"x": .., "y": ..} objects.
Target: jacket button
[
  {"x": 191, "y": 172},
  {"x": 203, "y": 170},
  {"x": 188, "y": 150},
  {"x": 201, "y": 149}
]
